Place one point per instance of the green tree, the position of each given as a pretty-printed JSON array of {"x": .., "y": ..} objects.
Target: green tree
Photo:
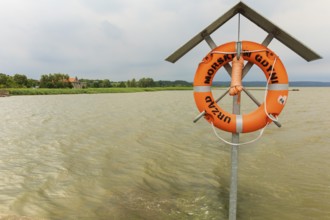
[
  {"x": 131, "y": 83},
  {"x": 57, "y": 80},
  {"x": 106, "y": 83},
  {"x": 96, "y": 84},
  {"x": 6, "y": 81},
  {"x": 3, "y": 80},
  {"x": 121, "y": 85},
  {"x": 88, "y": 82},
  {"x": 146, "y": 82},
  {"x": 32, "y": 83},
  {"x": 20, "y": 80},
  {"x": 47, "y": 81}
]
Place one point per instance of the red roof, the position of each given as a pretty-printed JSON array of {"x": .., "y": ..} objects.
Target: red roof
[{"x": 73, "y": 79}]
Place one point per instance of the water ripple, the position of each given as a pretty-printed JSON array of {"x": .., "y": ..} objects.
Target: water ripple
[{"x": 139, "y": 156}]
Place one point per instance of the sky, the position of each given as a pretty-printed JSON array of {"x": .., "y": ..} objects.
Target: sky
[{"x": 125, "y": 39}]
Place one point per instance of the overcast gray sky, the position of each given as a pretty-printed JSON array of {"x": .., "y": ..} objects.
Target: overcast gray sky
[{"x": 125, "y": 39}]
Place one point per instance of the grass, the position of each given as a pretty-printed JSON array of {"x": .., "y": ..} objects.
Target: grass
[{"x": 43, "y": 91}]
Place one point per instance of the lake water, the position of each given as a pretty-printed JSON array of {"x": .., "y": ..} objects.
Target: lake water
[{"x": 139, "y": 156}]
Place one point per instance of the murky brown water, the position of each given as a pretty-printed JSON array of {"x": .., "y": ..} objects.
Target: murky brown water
[{"x": 139, "y": 156}]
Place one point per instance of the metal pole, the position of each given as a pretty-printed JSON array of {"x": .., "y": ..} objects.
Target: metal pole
[
  {"x": 234, "y": 165},
  {"x": 258, "y": 104},
  {"x": 249, "y": 65},
  {"x": 234, "y": 149},
  {"x": 210, "y": 41},
  {"x": 200, "y": 115}
]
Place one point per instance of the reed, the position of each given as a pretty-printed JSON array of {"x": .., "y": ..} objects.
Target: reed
[{"x": 44, "y": 91}]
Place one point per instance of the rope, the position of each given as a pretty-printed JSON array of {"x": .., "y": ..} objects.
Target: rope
[
  {"x": 236, "y": 87},
  {"x": 236, "y": 76},
  {"x": 245, "y": 51},
  {"x": 238, "y": 144},
  {"x": 271, "y": 117}
]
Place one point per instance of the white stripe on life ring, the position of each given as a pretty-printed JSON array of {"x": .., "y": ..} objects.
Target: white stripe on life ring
[
  {"x": 202, "y": 88},
  {"x": 239, "y": 123},
  {"x": 278, "y": 86}
]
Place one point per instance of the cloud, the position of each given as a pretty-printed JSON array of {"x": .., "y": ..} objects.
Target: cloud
[
  {"x": 104, "y": 6},
  {"x": 111, "y": 30},
  {"x": 122, "y": 39}
]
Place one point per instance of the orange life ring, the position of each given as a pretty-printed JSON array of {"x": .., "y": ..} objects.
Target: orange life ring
[{"x": 277, "y": 91}]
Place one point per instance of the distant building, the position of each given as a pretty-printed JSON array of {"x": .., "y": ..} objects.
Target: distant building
[{"x": 76, "y": 84}]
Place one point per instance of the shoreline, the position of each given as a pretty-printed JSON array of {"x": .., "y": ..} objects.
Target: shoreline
[
  {"x": 47, "y": 91},
  {"x": 67, "y": 91}
]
